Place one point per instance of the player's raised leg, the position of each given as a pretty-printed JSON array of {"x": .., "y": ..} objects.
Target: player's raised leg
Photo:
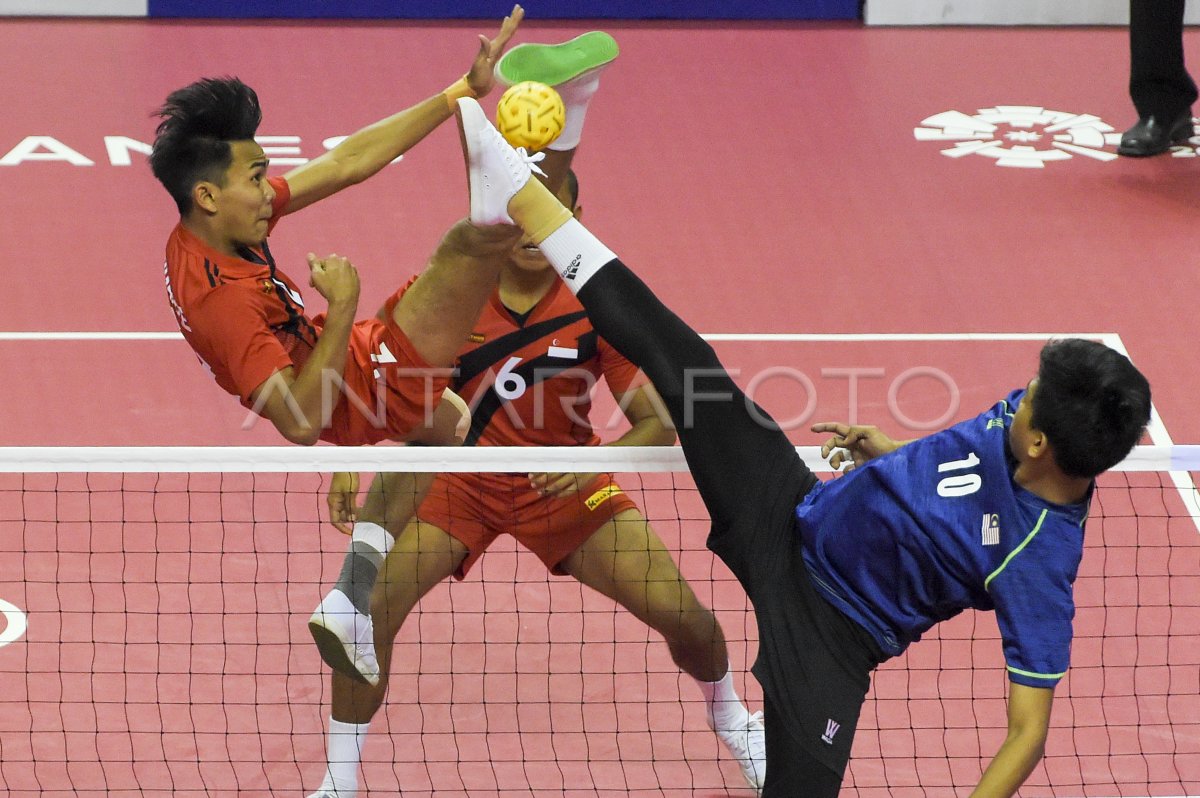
[
  {"x": 729, "y": 441},
  {"x": 422, "y": 557},
  {"x": 573, "y": 69},
  {"x": 438, "y": 310},
  {"x": 435, "y": 314},
  {"x": 626, "y": 561},
  {"x": 341, "y": 624}
]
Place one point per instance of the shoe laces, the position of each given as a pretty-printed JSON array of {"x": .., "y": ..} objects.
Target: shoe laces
[
  {"x": 748, "y": 744},
  {"x": 744, "y": 741},
  {"x": 364, "y": 633},
  {"x": 362, "y": 629},
  {"x": 532, "y": 160},
  {"x": 519, "y": 159}
]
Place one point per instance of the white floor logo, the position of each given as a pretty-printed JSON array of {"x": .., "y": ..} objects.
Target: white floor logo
[
  {"x": 1021, "y": 135},
  {"x": 14, "y": 623},
  {"x": 1189, "y": 150}
]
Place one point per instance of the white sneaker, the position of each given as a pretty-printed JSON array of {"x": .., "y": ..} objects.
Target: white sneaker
[
  {"x": 345, "y": 637},
  {"x": 327, "y": 792},
  {"x": 495, "y": 171},
  {"x": 748, "y": 745}
]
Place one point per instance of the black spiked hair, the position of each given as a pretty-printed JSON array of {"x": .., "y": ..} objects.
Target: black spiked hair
[{"x": 192, "y": 140}]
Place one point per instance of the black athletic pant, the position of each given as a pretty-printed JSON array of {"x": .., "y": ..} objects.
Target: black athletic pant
[
  {"x": 1159, "y": 83},
  {"x": 733, "y": 448},
  {"x": 748, "y": 473}
]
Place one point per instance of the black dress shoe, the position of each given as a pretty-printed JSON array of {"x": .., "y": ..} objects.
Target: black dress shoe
[{"x": 1151, "y": 135}]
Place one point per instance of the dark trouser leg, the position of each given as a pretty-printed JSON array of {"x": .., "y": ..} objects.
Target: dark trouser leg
[
  {"x": 791, "y": 770},
  {"x": 1158, "y": 80},
  {"x": 733, "y": 448}
]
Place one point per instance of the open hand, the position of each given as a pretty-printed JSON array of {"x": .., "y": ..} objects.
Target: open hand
[
  {"x": 482, "y": 77},
  {"x": 853, "y": 445}
]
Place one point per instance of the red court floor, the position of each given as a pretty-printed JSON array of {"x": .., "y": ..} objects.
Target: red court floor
[{"x": 763, "y": 178}]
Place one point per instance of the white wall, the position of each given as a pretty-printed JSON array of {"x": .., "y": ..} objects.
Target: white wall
[
  {"x": 1006, "y": 12},
  {"x": 75, "y": 8}
]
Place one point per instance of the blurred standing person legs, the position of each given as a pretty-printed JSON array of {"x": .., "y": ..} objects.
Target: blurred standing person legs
[{"x": 1159, "y": 83}]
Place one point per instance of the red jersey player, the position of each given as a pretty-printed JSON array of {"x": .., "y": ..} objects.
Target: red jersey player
[
  {"x": 527, "y": 372},
  {"x": 326, "y": 377},
  {"x": 535, "y": 334}
]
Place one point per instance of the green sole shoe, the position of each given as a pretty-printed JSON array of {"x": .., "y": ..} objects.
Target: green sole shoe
[{"x": 555, "y": 64}]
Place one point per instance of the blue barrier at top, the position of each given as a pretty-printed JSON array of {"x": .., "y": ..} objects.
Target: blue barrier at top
[{"x": 491, "y": 9}]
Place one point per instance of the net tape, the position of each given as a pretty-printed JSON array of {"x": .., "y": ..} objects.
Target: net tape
[{"x": 268, "y": 459}]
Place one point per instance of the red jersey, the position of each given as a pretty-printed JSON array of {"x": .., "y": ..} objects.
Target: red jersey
[
  {"x": 246, "y": 320},
  {"x": 529, "y": 382}
]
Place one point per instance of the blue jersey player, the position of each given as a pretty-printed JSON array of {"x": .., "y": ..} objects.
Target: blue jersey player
[{"x": 988, "y": 514}]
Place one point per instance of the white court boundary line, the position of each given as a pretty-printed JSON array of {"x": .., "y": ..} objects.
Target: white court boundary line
[
  {"x": 1157, "y": 429},
  {"x": 16, "y": 623},
  {"x": 66, "y": 335}
]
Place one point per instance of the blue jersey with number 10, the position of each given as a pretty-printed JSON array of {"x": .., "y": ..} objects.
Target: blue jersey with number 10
[{"x": 917, "y": 536}]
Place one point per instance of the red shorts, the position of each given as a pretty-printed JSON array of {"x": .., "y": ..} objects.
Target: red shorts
[
  {"x": 388, "y": 390},
  {"x": 475, "y": 509}
]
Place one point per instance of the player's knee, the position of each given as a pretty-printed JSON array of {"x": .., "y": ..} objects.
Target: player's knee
[
  {"x": 389, "y": 609},
  {"x": 466, "y": 239},
  {"x": 676, "y": 612},
  {"x": 390, "y": 501},
  {"x": 448, "y": 425},
  {"x": 697, "y": 623}
]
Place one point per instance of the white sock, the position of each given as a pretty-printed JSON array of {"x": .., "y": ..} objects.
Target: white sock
[
  {"x": 345, "y": 751},
  {"x": 373, "y": 535},
  {"x": 725, "y": 708},
  {"x": 575, "y": 254},
  {"x": 576, "y": 94}
]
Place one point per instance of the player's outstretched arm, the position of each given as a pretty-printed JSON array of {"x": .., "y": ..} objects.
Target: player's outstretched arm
[
  {"x": 294, "y": 401},
  {"x": 854, "y": 445},
  {"x": 1028, "y": 726},
  {"x": 365, "y": 152}
]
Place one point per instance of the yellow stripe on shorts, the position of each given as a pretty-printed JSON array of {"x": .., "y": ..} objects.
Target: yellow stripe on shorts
[{"x": 601, "y": 496}]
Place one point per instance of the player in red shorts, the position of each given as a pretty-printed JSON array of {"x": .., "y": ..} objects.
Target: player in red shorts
[
  {"x": 527, "y": 373},
  {"x": 326, "y": 377}
]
